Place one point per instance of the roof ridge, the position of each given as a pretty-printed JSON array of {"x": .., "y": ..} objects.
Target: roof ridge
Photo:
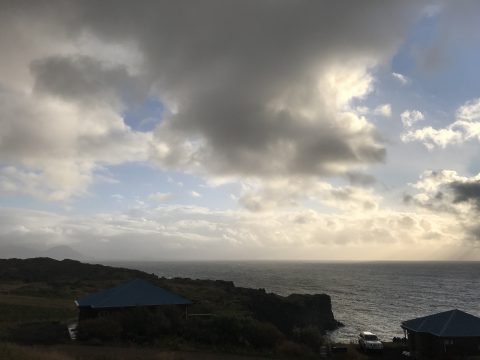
[
  {"x": 119, "y": 288},
  {"x": 453, "y": 312}
]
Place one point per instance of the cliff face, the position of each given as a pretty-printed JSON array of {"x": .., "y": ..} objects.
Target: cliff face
[
  {"x": 286, "y": 313},
  {"x": 296, "y": 310}
]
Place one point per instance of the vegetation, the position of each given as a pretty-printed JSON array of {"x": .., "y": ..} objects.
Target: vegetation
[
  {"x": 16, "y": 352},
  {"x": 36, "y": 303}
]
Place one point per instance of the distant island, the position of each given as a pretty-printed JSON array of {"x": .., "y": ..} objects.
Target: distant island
[{"x": 37, "y": 303}]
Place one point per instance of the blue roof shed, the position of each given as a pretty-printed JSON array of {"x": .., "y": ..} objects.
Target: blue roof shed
[
  {"x": 453, "y": 323},
  {"x": 450, "y": 334},
  {"x": 131, "y": 294}
]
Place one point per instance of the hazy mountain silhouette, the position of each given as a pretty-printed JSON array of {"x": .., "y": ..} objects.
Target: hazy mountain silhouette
[{"x": 59, "y": 252}]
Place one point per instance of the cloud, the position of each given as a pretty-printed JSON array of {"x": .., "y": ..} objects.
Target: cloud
[
  {"x": 410, "y": 117},
  {"x": 279, "y": 193},
  {"x": 467, "y": 192},
  {"x": 118, "y": 197},
  {"x": 267, "y": 95},
  {"x": 273, "y": 140},
  {"x": 431, "y": 137},
  {"x": 261, "y": 93},
  {"x": 447, "y": 192},
  {"x": 84, "y": 79},
  {"x": 190, "y": 232},
  {"x": 160, "y": 197},
  {"x": 361, "y": 179},
  {"x": 51, "y": 148},
  {"x": 402, "y": 79},
  {"x": 383, "y": 110},
  {"x": 195, "y": 194},
  {"x": 465, "y": 127},
  {"x": 454, "y": 25},
  {"x": 60, "y": 106}
]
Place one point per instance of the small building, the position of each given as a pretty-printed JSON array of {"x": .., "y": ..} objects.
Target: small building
[
  {"x": 133, "y": 294},
  {"x": 451, "y": 334}
]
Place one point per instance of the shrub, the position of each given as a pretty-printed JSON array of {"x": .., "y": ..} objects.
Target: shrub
[
  {"x": 138, "y": 325},
  {"x": 233, "y": 331},
  {"x": 15, "y": 352},
  {"x": 309, "y": 336},
  {"x": 294, "y": 350},
  {"x": 38, "y": 333},
  {"x": 261, "y": 335},
  {"x": 102, "y": 329}
]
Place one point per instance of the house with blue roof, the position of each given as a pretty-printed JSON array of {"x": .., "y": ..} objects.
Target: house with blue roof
[
  {"x": 450, "y": 334},
  {"x": 133, "y": 294}
]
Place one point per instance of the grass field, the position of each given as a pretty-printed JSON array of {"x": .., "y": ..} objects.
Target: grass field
[{"x": 15, "y": 309}]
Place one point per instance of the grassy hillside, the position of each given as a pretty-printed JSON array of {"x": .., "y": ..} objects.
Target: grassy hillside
[
  {"x": 37, "y": 301},
  {"x": 60, "y": 282}
]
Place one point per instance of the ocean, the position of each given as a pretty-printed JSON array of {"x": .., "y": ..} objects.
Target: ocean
[{"x": 373, "y": 296}]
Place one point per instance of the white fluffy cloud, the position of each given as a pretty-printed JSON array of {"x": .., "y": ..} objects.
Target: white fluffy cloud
[
  {"x": 383, "y": 110},
  {"x": 402, "y": 79},
  {"x": 281, "y": 193},
  {"x": 410, "y": 117},
  {"x": 465, "y": 127},
  {"x": 160, "y": 197},
  {"x": 447, "y": 193}
]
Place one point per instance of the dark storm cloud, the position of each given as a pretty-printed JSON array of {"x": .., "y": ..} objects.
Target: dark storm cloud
[
  {"x": 256, "y": 85},
  {"x": 466, "y": 192},
  {"x": 257, "y": 88},
  {"x": 82, "y": 78}
]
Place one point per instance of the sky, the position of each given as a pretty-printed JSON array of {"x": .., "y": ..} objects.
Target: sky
[{"x": 241, "y": 130}]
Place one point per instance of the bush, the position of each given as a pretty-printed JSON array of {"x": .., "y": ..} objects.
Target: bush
[
  {"x": 233, "y": 331},
  {"x": 137, "y": 325},
  {"x": 38, "y": 333},
  {"x": 309, "y": 336},
  {"x": 102, "y": 329},
  {"x": 141, "y": 325},
  {"x": 294, "y": 350},
  {"x": 262, "y": 335},
  {"x": 15, "y": 352},
  {"x": 219, "y": 330}
]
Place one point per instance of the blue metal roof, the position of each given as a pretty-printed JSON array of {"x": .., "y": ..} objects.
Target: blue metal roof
[
  {"x": 134, "y": 293},
  {"x": 453, "y": 323}
]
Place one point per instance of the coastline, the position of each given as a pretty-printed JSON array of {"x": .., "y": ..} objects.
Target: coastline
[{"x": 282, "y": 324}]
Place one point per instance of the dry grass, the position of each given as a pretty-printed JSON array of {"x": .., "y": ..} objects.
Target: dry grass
[
  {"x": 16, "y": 352},
  {"x": 37, "y": 301},
  {"x": 20, "y": 308},
  {"x": 82, "y": 352},
  {"x": 78, "y": 352},
  {"x": 392, "y": 351}
]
